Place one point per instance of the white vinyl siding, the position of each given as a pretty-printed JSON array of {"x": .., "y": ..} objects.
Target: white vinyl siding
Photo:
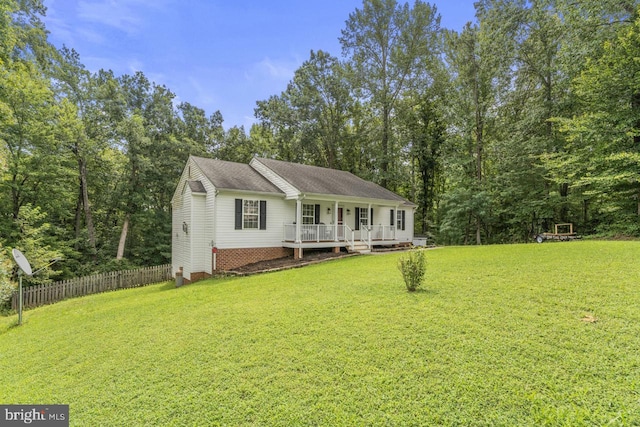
[
  {"x": 279, "y": 212},
  {"x": 191, "y": 250},
  {"x": 289, "y": 190},
  {"x": 405, "y": 235},
  {"x": 198, "y": 235}
]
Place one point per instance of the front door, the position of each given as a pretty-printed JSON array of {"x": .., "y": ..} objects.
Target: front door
[{"x": 340, "y": 229}]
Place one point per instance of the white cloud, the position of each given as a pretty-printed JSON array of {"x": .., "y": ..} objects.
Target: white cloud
[
  {"x": 58, "y": 25},
  {"x": 279, "y": 70},
  {"x": 116, "y": 14},
  {"x": 135, "y": 65},
  {"x": 90, "y": 35},
  {"x": 203, "y": 94}
]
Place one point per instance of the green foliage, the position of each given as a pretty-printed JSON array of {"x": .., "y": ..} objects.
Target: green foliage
[
  {"x": 413, "y": 267},
  {"x": 423, "y": 127},
  {"x": 309, "y": 121},
  {"x": 556, "y": 324},
  {"x": 6, "y": 286},
  {"x": 391, "y": 48},
  {"x": 602, "y": 153},
  {"x": 37, "y": 244},
  {"x": 526, "y": 117}
]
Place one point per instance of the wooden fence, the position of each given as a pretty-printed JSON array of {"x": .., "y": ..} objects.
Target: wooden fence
[{"x": 37, "y": 295}]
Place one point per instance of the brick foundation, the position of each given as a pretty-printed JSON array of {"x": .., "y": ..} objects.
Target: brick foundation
[
  {"x": 200, "y": 275},
  {"x": 228, "y": 259}
]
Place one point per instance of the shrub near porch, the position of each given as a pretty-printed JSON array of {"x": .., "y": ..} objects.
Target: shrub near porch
[{"x": 504, "y": 335}]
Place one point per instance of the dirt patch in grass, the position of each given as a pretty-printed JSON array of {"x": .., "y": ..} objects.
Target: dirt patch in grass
[{"x": 309, "y": 257}]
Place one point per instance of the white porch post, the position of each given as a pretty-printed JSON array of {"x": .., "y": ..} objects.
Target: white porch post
[
  {"x": 298, "y": 219},
  {"x": 370, "y": 224},
  {"x": 298, "y": 227},
  {"x": 395, "y": 222},
  {"x": 335, "y": 220}
]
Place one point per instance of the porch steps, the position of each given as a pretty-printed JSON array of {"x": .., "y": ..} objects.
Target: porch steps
[{"x": 360, "y": 248}]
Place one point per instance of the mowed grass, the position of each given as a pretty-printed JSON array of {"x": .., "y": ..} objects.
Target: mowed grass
[{"x": 523, "y": 335}]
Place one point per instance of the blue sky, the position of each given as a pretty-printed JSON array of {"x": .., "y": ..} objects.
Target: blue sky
[{"x": 215, "y": 54}]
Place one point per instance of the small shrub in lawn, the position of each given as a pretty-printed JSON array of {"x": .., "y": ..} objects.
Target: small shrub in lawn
[
  {"x": 413, "y": 267},
  {"x": 6, "y": 292}
]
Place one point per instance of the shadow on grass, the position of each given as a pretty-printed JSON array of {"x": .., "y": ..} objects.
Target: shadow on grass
[
  {"x": 171, "y": 285},
  {"x": 9, "y": 326}
]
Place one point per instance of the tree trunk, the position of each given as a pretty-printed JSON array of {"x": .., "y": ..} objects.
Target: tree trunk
[
  {"x": 635, "y": 107},
  {"x": 78, "y": 220},
  {"x": 88, "y": 217},
  {"x": 123, "y": 238},
  {"x": 384, "y": 164},
  {"x": 564, "y": 210}
]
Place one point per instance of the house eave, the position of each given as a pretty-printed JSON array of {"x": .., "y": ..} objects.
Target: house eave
[
  {"x": 262, "y": 193},
  {"x": 354, "y": 199}
]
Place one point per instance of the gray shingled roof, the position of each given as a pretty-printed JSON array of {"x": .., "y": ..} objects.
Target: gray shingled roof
[
  {"x": 196, "y": 186},
  {"x": 317, "y": 180},
  {"x": 234, "y": 176}
]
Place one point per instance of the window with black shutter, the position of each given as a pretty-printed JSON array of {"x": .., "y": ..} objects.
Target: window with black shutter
[
  {"x": 250, "y": 214},
  {"x": 238, "y": 214},
  {"x": 263, "y": 214},
  {"x": 363, "y": 218},
  {"x": 401, "y": 218}
]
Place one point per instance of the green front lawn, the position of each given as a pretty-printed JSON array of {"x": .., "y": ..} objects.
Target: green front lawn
[{"x": 503, "y": 335}]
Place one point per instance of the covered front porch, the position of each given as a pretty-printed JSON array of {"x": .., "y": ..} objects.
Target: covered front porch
[
  {"x": 336, "y": 224},
  {"x": 327, "y": 235}
]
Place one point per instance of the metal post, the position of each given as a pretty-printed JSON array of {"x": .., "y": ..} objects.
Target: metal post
[{"x": 20, "y": 298}]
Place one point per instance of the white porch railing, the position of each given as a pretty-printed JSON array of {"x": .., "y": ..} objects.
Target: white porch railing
[
  {"x": 315, "y": 232},
  {"x": 289, "y": 233},
  {"x": 365, "y": 235},
  {"x": 383, "y": 232},
  {"x": 339, "y": 233},
  {"x": 319, "y": 233},
  {"x": 347, "y": 234}
]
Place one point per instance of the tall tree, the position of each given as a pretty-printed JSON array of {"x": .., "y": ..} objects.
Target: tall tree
[
  {"x": 313, "y": 112},
  {"x": 200, "y": 134},
  {"x": 82, "y": 131},
  {"x": 477, "y": 82},
  {"x": 390, "y": 47},
  {"x": 320, "y": 93},
  {"x": 424, "y": 128}
]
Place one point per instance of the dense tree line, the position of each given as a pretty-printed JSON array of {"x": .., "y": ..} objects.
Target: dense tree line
[
  {"x": 528, "y": 116},
  {"x": 525, "y": 118}
]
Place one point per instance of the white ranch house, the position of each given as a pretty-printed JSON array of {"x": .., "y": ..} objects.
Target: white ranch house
[{"x": 228, "y": 214}]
